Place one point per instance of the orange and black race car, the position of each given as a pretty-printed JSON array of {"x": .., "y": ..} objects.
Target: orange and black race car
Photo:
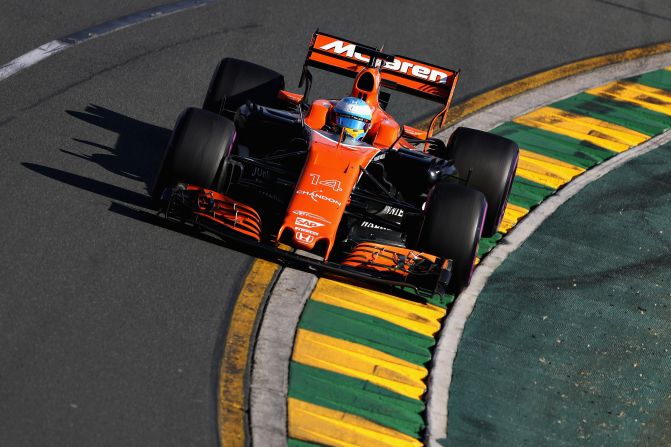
[{"x": 339, "y": 186}]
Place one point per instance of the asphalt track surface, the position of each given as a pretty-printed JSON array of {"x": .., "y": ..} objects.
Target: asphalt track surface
[{"x": 109, "y": 322}]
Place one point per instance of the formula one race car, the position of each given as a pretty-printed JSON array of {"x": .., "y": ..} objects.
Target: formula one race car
[{"x": 338, "y": 186}]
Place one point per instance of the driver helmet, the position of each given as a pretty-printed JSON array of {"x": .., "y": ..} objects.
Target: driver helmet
[{"x": 353, "y": 116}]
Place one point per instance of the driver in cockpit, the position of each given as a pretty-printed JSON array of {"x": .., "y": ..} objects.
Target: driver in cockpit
[{"x": 352, "y": 116}]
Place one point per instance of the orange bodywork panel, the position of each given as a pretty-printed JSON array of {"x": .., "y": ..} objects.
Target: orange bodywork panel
[
  {"x": 317, "y": 116},
  {"x": 413, "y": 132},
  {"x": 384, "y": 131},
  {"x": 323, "y": 190},
  {"x": 292, "y": 98}
]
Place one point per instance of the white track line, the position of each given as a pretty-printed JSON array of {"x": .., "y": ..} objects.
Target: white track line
[
  {"x": 32, "y": 57},
  {"x": 441, "y": 371},
  {"x": 56, "y": 46}
]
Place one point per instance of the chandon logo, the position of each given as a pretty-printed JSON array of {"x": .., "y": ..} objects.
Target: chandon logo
[
  {"x": 419, "y": 71},
  {"x": 314, "y": 195}
]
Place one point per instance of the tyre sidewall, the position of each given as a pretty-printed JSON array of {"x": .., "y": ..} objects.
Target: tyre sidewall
[
  {"x": 452, "y": 227},
  {"x": 199, "y": 145},
  {"x": 491, "y": 161}
]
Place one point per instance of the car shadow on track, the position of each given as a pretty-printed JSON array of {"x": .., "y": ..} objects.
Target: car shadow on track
[
  {"x": 95, "y": 186},
  {"x": 136, "y": 155},
  {"x": 139, "y": 147}
]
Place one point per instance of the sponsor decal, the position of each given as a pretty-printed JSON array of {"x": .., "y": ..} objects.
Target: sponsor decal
[
  {"x": 270, "y": 195},
  {"x": 401, "y": 66},
  {"x": 305, "y": 230},
  {"x": 333, "y": 184},
  {"x": 311, "y": 216},
  {"x": 307, "y": 223},
  {"x": 260, "y": 173},
  {"x": 314, "y": 195},
  {"x": 391, "y": 211},
  {"x": 303, "y": 237},
  {"x": 373, "y": 226}
]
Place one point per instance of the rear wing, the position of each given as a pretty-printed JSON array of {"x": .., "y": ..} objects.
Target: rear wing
[{"x": 398, "y": 73}]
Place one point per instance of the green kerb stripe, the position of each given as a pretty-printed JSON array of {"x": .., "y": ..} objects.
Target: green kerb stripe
[
  {"x": 560, "y": 147},
  {"x": 621, "y": 113},
  {"x": 488, "y": 243},
  {"x": 528, "y": 194},
  {"x": 660, "y": 79},
  {"x": 292, "y": 442},
  {"x": 367, "y": 330},
  {"x": 358, "y": 397},
  {"x": 437, "y": 299}
]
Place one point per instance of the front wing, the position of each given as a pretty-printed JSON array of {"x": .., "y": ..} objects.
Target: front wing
[{"x": 240, "y": 225}]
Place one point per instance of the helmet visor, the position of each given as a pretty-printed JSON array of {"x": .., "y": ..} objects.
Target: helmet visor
[{"x": 350, "y": 122}]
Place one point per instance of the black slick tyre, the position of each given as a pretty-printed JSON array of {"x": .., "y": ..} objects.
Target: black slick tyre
[
  {"x": 453, "y": 219},
  {"x": 197, "y": 152},
  {"x": 236, "y": 81},
  {"x": 491, "y": 161}
]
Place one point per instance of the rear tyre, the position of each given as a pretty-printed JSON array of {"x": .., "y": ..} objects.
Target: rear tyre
[
  {"x": 492, "y": 161},
  {"x": 197, "y": 152},
  {"x": 453, "y": 220},
  {"x": 235, "y": 82}
]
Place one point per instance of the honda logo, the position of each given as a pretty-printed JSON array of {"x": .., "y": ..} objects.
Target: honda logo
[{"x": 306, "y": 238}]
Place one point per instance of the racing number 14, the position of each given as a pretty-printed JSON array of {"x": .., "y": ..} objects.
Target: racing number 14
[{"x": 333, "y": 184}]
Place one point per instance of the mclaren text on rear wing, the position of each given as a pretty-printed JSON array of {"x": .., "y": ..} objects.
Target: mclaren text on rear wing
[{"x": 399, "y": 73}]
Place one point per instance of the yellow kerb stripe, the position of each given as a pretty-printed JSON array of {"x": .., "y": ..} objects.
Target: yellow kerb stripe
[
  {"x": 647, "y": 97},
  {"x": 512, "y": 214},
  {"x": 607, "y": 135},
  {"x": 418, "y": 317},
  {"x": 361, "y": 362},
  {"x": 546, "y": 170},
  {"x": 232, "y": 413},
  {"x": 313, "y": 423}
]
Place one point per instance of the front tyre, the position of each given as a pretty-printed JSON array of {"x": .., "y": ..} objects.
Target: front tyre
[
  {"x": 453, "y": 220},
  {"x": 197, "y": 152}
]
